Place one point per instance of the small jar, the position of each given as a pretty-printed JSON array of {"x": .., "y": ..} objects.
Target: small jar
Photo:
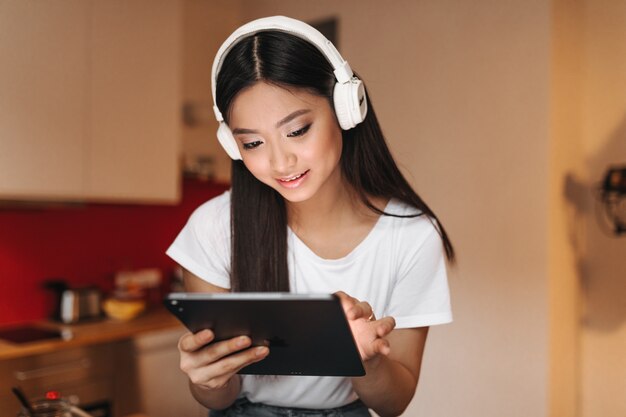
[{"x": 48, "y": 408}]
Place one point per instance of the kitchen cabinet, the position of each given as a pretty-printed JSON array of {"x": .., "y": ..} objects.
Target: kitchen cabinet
[
  {"x": 163, "y": 387},
  {"x": 43, "y": 99},
  {"x": 136, "y": 60},
  {"x": 125, "y": 366},
  {"x": 83, "y": 375},
  {"x": 89, "y": 109},
  {"x": 140, "y": 374}
]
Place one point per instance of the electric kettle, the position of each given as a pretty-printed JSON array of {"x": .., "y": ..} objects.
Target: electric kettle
[{"x": 75, "y": 304}]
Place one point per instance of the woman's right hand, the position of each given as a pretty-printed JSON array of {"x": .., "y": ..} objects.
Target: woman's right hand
[{"x": 213, "y": 365}]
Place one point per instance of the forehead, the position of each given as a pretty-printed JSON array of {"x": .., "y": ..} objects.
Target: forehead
[{"x": 264, "y": 103}]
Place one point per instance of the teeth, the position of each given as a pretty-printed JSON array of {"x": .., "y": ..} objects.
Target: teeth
[{"x": 292, "y": 178}]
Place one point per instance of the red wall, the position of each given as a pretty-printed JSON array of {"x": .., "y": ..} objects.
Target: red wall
[{"x": 84, "y": 245}]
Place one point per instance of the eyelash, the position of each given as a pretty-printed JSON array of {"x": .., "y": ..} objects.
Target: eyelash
[
  {"x": 251, "y": 145},
  {"x": 299, "y": 132},
  {"x": 295, "y": 133}
]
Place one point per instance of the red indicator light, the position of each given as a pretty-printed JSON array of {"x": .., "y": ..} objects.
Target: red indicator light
[{"x": 53, "y": 395}]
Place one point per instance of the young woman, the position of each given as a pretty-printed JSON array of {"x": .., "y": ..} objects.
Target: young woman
[{"x": 317, "y": 205}]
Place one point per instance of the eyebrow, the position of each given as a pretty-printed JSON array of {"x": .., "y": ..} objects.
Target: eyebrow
[{"x": 281, "y": 122}]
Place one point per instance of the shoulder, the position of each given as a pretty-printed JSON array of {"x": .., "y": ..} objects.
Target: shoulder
[
  {"x": 414, "y": 236},
  {"x": 212, "y": 216},
  {"x": 217, "y": 207},
  {"x": 408, "y": 220},
  {"x": 203, "y": 245}
]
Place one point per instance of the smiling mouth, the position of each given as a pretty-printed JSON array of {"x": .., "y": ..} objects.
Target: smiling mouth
[{"x": 295, "y": 177}]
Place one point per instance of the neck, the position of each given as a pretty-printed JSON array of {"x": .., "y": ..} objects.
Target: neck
[
  {"x": 330, "y": 207},
  {"x": 334, "y": 222}
]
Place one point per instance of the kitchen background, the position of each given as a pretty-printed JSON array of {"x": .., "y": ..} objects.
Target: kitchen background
[
  {"x": 504, "y": 115},
  {"x": 86, "y": 244}
]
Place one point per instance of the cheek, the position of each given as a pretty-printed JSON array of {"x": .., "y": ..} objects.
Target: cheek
[
  {"x": 255, "y": 165},
  {"x": 332, "y": 143}
]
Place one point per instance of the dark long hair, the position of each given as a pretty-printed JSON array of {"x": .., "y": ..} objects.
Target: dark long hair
[{"x": 258, "y": 212}]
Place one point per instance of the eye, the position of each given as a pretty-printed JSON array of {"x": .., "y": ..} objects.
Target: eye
[
  {"x": 299, "y": 132},
  {"x": 251, "y": 145}
]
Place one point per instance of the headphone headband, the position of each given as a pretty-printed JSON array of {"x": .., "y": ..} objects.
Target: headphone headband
[
  {"x": 349, "y": 98},
  {"x": 343, "y": 72}
]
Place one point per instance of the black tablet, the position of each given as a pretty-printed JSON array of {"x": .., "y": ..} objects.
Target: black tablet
[{"x": 308, "y": 334}]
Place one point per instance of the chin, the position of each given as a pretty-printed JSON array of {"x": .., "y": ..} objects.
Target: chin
[{"x": 295, "y": 195}]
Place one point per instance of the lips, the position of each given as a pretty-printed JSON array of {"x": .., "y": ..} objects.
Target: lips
[
  {"x": 293, "y": 181},
  {"x": 295, "y": 177}
]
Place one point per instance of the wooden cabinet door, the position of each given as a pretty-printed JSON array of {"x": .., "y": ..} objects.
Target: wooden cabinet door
[
  {"x": 135, "y": 118},
  {"x": 43, "y": 98}
]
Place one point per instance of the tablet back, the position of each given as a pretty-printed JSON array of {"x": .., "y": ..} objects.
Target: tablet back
[{"x": 306, "y": 334}]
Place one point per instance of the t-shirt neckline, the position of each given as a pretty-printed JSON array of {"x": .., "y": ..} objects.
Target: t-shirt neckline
[{"x": 361, "y": 246}]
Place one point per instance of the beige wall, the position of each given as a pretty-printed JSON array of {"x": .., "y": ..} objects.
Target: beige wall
[
  {"x": 588, "y": 283},
  {"x": 603, "y": 268},
  {"x": 461, "y": 90},
  {"x": 206, "y": 25},
  {"x": 503, "y": 115},
  {"x": 566, "y": 229}
]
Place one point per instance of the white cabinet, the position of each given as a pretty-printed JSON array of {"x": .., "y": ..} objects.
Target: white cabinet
[
  {"x": 89, "y": 108},
  {"x": 43, "y": 98},
  {"x": 164, "y": 389},
  {"x": 135, "y": 102}
]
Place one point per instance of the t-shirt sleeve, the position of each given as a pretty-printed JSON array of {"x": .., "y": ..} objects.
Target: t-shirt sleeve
[
  {"x": 203, "y": 245},
  {"x": 421, "y": 296}
]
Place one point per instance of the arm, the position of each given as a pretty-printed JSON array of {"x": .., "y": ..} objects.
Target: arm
[
  {"x": 213, "y": 378},
  {"x": 392, "y": 358},
  {"x": 390, "y": 382},
  {"x": 421, "y": 288}
]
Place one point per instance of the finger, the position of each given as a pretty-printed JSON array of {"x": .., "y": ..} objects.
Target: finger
[
  {"x": 234, "y": 363},
  {"x": 190, "y": 342},
  {"x": 342, "y": 295},
  {"x": 347, "y": 303},
  {"x": 215, "y": 374},
  {"x": 384, "y": 326},
  {"x": 360, "y": 309},
  {"x": 346, "y": 300},
  {"x": 228, "y": 347},
  {"x": 381, "y": 346},
  {"x": 192, "y": 361}
]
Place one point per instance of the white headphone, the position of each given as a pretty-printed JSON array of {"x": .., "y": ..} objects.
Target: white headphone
[{"x": 349, "y": 92}]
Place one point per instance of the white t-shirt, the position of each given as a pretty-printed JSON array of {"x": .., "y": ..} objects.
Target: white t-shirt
[{"x": 399, "y": 268}]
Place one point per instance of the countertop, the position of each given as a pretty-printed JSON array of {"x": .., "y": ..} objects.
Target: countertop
[{"x": 90, "y": 333}]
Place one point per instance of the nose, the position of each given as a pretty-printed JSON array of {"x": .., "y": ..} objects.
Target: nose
[{"x": 281, "y": 158}]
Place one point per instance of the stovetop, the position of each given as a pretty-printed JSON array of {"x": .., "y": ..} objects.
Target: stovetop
[{"x": 27, "y": 333}]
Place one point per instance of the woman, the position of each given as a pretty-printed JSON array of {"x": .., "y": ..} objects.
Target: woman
[{"x": 318, "y": 205}]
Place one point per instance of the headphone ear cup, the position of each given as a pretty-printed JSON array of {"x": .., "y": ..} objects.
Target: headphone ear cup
[
  {"x": 350, "y": 103},
  {"x": 227, "y": 140}
]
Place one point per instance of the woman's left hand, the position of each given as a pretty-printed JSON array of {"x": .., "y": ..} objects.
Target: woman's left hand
[{"x": 368, "y": 332}]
